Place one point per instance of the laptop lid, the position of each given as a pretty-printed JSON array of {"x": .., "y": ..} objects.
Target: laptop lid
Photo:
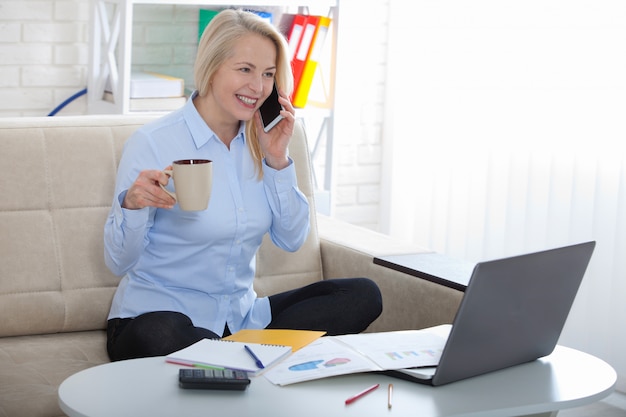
[{"x": 512, "y": 312}]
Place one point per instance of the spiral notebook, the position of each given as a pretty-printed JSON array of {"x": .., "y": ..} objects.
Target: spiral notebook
[{"x": 220, "y": 353}]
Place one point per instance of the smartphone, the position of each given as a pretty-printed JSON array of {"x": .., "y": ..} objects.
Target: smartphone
[{"x": 270, "y": 110}]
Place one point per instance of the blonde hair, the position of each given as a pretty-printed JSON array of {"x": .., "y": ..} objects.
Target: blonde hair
[{"x": 216, "y": 45}]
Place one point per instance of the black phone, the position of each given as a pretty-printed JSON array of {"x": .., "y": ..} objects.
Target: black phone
[{"x": 270, "y": 110}]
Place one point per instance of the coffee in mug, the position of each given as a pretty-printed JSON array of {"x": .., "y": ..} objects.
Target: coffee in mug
[{"x": 193, "y": 179}]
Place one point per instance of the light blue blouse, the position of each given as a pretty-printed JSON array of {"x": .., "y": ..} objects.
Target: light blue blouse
[{"x": 201, "y": 264}]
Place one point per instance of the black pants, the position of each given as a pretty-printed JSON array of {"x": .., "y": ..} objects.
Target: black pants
[{"x": 337, "y": 306}]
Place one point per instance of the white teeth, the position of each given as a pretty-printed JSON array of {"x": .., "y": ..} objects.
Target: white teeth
[{"x": 247, "y": 100}]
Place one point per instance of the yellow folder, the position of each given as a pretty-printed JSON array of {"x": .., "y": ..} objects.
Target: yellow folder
[{"x": 294, "y": 338}]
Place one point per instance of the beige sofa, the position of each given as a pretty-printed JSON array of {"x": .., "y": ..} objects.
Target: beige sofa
[{"x": 55, "y": 291}]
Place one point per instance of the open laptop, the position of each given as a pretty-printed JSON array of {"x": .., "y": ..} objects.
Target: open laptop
[{"x": 512, "y": 312}]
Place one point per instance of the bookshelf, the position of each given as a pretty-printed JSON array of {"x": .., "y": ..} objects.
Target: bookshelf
[{"x": 111, "y": 55}]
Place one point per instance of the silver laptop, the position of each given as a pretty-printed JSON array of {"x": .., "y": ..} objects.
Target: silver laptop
[{"x": 512, "y": 312}]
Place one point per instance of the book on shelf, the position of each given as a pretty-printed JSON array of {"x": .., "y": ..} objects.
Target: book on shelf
[
  {"x": 151, "y": 104},
  {"x": 204, "y": 17},
  {"x": 366, "y": 352},
  {"x": 222, "y": 353},
  {"x": 302, "y": 51},
  {"x": 292, "y": 27},
  {"x": 297, "y": 339},
  {"x": 146, "y": 84},
  {"x": 267, "y": 16}
]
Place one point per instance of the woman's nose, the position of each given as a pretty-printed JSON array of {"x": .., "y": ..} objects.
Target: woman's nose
[{"x": 256, "y": 84}]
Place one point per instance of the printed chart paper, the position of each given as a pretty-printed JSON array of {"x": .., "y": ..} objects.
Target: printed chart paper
[{"x": 340, "y": 355}]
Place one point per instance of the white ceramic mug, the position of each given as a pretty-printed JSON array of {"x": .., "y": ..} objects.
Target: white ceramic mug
[{"x": 193, "y": 179}]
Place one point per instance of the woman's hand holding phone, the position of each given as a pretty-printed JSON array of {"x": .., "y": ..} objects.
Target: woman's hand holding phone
[{"x": 275, "y": 140}]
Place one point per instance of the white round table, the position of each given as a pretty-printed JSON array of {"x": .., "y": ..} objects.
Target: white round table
[{"x": 149, "y": 387}]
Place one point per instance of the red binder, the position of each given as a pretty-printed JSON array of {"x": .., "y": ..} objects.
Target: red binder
[
  {"x": 292, "y": 26},
  {"x": 297, "y": 63}
]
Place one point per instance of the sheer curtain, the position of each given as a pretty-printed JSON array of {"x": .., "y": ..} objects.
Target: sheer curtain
[{"x": 505, "y": 133}]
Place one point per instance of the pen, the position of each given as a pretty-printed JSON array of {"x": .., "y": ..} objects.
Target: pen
[
  {"x": 362, "y": 393},
  {"x": 255, "y": 357},
  {"x": 195, "y": 365},
  {"x": 389, "y": 394}
]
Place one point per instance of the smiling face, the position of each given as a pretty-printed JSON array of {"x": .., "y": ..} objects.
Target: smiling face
[{"x": 244, "y": 80}]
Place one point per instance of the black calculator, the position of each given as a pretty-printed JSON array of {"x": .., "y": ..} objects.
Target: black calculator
[{"x": 225, "y": 379}]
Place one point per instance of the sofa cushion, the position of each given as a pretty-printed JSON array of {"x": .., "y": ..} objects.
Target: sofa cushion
[
  {"x": 58, "y": 191},
  {"x": 33, "y": 367}
]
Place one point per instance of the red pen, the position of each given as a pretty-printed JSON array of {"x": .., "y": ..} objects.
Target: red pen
[{"x": 362, "y": 393}]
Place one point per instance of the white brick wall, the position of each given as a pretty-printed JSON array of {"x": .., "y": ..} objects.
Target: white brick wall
[
  {"x": 165, "y": 39},
  {"x": 43, "y": 50},
  {"x": 44, "y": 53}
]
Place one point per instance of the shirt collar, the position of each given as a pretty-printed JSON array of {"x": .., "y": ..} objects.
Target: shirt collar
[{"x": 200, "y": 131}]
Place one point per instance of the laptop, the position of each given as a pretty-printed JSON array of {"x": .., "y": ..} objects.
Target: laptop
[{"x": 512, "y": 312}]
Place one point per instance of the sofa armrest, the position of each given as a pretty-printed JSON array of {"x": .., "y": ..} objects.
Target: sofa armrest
[{"x": 408, "y": 302}]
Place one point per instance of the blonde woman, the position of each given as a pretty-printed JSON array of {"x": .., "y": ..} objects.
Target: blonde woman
[{"x": 188, "y": 275}]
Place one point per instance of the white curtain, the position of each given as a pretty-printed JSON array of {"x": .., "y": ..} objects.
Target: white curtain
[{"x": 505, "y": 133}]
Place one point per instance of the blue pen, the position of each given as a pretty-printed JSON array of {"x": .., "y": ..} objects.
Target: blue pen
[{"x": 255, "y": 357}]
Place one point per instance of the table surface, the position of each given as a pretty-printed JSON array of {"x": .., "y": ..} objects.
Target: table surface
[
  {"x": 566, "y": 378},
  {"x": 436, "y": 267}
]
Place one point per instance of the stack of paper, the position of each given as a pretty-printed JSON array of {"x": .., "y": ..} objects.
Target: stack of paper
[
  {"x": 150, "y": 91},
  {"x": 154, "y": 85}
]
